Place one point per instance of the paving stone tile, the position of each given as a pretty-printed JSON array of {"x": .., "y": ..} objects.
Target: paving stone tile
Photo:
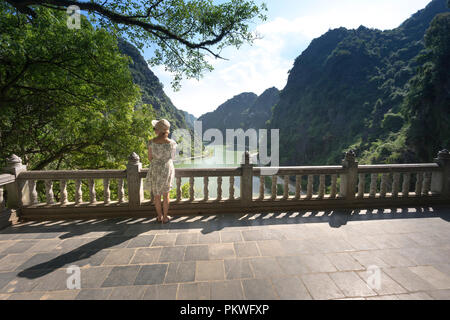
[
  {"x": 26, "y": 296},
  {"x": 238, "y": 269},
  {"x": 151, "y": 274},
  {"x": 408, "y": 279},
  {"x": 360, "y": 242},
  {"x": 415, "y": 296},
  {"x": 53, "y": 281},
  {"x": 94, "y": 294},
  {"x": 45, "y": 245},
  {"x": 210, "y": 270},
  {"x": 141, "y": 241},
  {"x": 427, "y": 240},
  {"x": 296, "y": 247},
  {"x": 226, "y": 290},
  {"x": 6, "y": 277},
  {"x": 393, "y": 257},
  {"x": 213, "y": 237},
  {"x": 118, "y": 257},
  {"x": 291, "y": 288},
  {"x": 60, "y": 295},
  {"x": 265, "y": 267},
  {"x": 171, "y": 254},
  {"x": 271, "y": 248},
  {"x": 94, "y": 277},
  {"x": 20, "y": 246},
  {"x": 22, "y": 284},
  {"x": 331, "y": 244},
  {"x": 351, "y": 284},
  {"x": 387, "y": 297},
  {"x": 146, "y": 255},
  {"x": 386, "y": 285},
  {"x": 187, "y": 238},
  {"x": 162, "y": 240},
  {"x": 261, "y": 234},
  {"x": 194, "y": 291},
  {"x": 221, "y": 251},
  {"x": 368, "y": 258},
  {"x": 180, "y": 272},
  {"x": 121, "y": 276},
  {"x": 436, "y": 278},
  {"x": 39, "y": 261},
  {"x": 344, "y": 262},
  {"x": 259, "y": 289},
  {"x": 231, "y": 236},
  {"x": 128, "y": 293},
  {"x": 196, "y": 252},
  {"x": 112, "y": 242},
  {"x": 292, "y": 265},
  {"x": 439, "y": 294},
  {"x": 321, "y": 286},
  {"x": 246, "y": 249},
  {"x": 161, "y": 292},
  {"x": 317, "y": 263}
]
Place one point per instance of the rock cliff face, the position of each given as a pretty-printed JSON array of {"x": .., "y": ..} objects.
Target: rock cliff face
[
  {"x": 244, "y": 111},
  {"x": 347, "y": 90}
]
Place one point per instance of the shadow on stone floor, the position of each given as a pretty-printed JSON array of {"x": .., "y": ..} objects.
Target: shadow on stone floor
[{"x": 118, "y": 231}]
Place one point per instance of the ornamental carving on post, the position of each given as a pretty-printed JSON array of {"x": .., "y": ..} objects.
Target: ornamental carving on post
[
  {"x": 134, "y": 158},
  {"x": 13, "y": 161}
]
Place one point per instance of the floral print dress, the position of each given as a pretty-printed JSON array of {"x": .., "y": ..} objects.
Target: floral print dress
[{"x": 161, "y": 172}]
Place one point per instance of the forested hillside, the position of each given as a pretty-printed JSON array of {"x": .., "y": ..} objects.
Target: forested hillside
[{"x": 383, "y": 93}]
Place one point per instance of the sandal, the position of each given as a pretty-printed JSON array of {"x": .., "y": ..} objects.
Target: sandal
[
  {"x": 159, "y": 219},
  {"x": 166, "y": 219}
]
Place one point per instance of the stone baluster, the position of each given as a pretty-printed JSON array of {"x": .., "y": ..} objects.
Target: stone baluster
[
  {"x": 106, "y": 191},
  {"x": 49, "y": 196},
  {"x": 286, "y": 187},
  {"x": 179, "y": 189},
  {"x": 33, "y": 193},
  {"x": 92, "y": 194},
  {"x": 191, "y": 189},
  {"x": 18, "y": 193},
  {"x": 405, "y": 187},
  {"x": 247, "y": 180},
  {"x": 274, "y": 187},
  {"x": 205, "y": 188},
  {"x": 373, "y": 185},
  {"x": 219, "y": 188},
  {"x": 333, "y": 190},
  {"x": 231, "y": 191},
  {"x": 134, "y": 181},
  {"x": 350, "y": 177},
  {"x": 78, "y": 192},
  {"x": 419, "y": 182},
  {"x": 440, "y": 180},
  {"x": 426, "y": 183},
  {"x": 395, "y": 184},
  {"x": 361, "y": 185},
  {"x": 120, "y": 191},
  {"x": 261, "y": 187},
  {"x": 321, "y": 186},
  {"x": 309, "y": 187},
  {"x": 2, "y": 201},
  {"x": 298, "y": 187},
  {"x": 383, "y": 185},
  {"x": 63, "y": 191}
]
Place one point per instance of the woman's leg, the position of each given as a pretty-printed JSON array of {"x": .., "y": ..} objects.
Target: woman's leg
[
  {"x": 158, "y": 206},
  {"x": 165, "y": 206}
]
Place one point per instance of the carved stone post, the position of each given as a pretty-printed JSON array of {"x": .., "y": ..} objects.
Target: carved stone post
[
  {"x": 247, "y": 180},
  {"x": 440, "y": 181},
  {"x": 350, "y": 178},
  {"x": 18, "y": 193},
  {"x": 135, "y": 187}
]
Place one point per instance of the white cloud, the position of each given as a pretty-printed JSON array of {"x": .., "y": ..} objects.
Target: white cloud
[{"x": 266, "y": 63}]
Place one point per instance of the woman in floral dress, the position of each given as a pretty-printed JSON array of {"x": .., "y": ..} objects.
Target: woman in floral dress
[{"x": 161, "y": 173}]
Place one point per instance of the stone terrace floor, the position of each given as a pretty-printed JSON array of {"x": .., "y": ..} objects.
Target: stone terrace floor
[{"x": 301, "y": 255}]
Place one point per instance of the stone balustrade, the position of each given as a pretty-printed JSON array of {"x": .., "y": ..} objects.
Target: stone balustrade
[{"x": 315, "y": 187}]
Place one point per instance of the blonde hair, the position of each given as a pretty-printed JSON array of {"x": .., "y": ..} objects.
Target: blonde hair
[{"x": 162, "y": 126}]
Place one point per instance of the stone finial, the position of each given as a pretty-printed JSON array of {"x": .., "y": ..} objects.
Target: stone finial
[
  {"x": 134, "y": 158},
  {"x": 13, "y": 161},
  {"x": 350, "y": 155},
  {"x": 444, "y": 154}
]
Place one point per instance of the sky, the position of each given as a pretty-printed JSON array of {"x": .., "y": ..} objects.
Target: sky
[{"x": 288, "y": 30}]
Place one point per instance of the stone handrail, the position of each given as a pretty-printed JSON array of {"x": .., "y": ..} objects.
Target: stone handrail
[{"x": 316, "y": 187}]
